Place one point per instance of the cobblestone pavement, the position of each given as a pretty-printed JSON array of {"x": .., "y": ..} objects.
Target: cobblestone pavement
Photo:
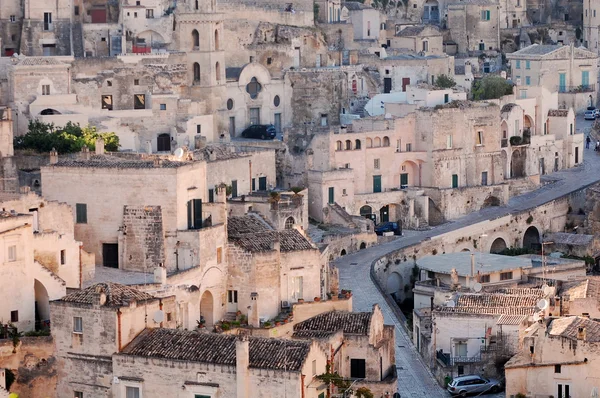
[{"x": 414, "y": 377}]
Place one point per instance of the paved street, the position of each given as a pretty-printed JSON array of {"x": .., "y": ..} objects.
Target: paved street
[{"x": 414, "y": 378}]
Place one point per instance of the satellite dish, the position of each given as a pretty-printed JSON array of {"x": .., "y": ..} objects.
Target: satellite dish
[
  {"x": 179, "y": 153},
  {"x": 159, "y": 316},
  {"x": 450, "y": 304},
  {"x": 542, "y": 304},
  {"x": 546, "y": 289},
  {"x": 477, "y": 287}
]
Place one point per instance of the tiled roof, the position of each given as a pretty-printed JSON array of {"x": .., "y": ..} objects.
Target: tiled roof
[
  {"x": 105, "y": 161},
  {"x": 569, "y": 328},
  {"x": 511, "y": 319},
  {"x": 312, "y": 334},
  {"x": 255, "y": 235},
  {"x": 508, "y": 107},
  {"x": 538, "y": 49},
  {"x": 558, "y": 112},
  {"x": 489, "y": 310},
  {"x": 218, "y": 349},
  {"x": 564, "y": 238},
  {"x": 496, "y": 300},
  {"x": 117, "y": 295},
  {"x": 586, "y": 288},
  {"x": 476, "y": 2},
  {"x": 520, "y": 291},
  {"x": 37, "y": 61},
  {"x": 242, "y": 225},
  {"x": 348, "y": 322},
  {"x": 416, "y": 30}
]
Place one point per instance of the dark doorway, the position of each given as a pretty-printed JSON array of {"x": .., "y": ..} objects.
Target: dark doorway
[
  {"x": 234, "y": 191},
  {"x": 194, "y": 214},
  {"x": 517, "y": 164},
  {"x": 110, "y": 255},
  {"x": 163, "y": 143},
  {"x": 139, "y": 101},
  {"x": 387, "y": 85},
  {"x": 384, "y": 214},
  {"x": 531, "y": 239},
  {"x": 357, "y": 368},
  {"x": 576, "y": 158}
]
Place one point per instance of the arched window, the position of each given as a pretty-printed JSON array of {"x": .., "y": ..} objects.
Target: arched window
[
  {"x": 196, "y": 39},
  {"x": 348, "y": 145},
  {"x": 369, "y": 143},
  {"x": 197, "y": 4},
  {"x": 196, "y": 72},
  {"x": 289, "y": 223},
  {"x": 338, "y": 146},
  {"x": 386, "y": 141},
  {"x": 377, "y": 143},
  {"x": 218, "y": 71},
  {"x": 216, "y": 39},
  {"x": 357, "y": 144}
]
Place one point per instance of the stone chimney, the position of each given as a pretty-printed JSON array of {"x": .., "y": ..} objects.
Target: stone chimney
[
  {"x": 253, "y": 316},
  {"x": 160, "y": 275},
  {"x": 581, "y": 333},
  {"x": 242, "y": 364},
  {"x": 53, "y": 156},
  {"x": 212, "y": 155},
  {"x": 221, "y": 193},
  {"x": 149, "y": 147},
  {"x": 99, "y": 146},
  {"x": 101, "y": 295},
  {"x": 85, "y": 153}
]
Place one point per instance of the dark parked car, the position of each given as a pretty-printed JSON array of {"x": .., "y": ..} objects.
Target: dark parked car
[
  {"x": 473, "y": 384},
  {"x": 262, "y": 131},
  {"x": 394, "y": 227}
]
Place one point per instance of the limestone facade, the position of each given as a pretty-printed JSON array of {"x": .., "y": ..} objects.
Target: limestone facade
[{"x": 475, "y": 25}]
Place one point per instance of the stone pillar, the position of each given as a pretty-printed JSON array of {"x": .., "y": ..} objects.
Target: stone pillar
[
  {"x": 85, "y": 153},
  {"x": 242, "y": 364},
  {"x": 99, "y": 146},
  {"x": 253, "y": 316},
  {"x": 53, "y": 156},
  {"x": 160, "y": 275}
]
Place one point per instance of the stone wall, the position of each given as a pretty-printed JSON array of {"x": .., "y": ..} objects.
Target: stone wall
[{"x": 142, "y": 238}]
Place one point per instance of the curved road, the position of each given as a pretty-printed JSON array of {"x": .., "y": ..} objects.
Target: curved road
[{"x": 414, "y": 377}]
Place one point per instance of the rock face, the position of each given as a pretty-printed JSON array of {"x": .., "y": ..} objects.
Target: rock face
[{"x": 592, "y": 210}]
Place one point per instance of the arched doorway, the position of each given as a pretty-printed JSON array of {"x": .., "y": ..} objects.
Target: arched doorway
[
  {"x": 527, "y": 126},
  {"x": 49, "y": 111},
  {"x": 207, "y": 310},
  {"x": 163, "y": 143},
  {"x": 196, "y": 72},
  {"x": 491, "y": 201},
  {"x": 367, "y": 212},
  {"x": 42, "y": 306},
  {"x": 409, "y": 174},
  {"x": 289, "y": 223},
  {"x": 384, "y": 214},
  {"x": 531, "y": 238},
  {"x": 517, "y": 164},
  {"x": 363, "y": 245},
  {"x": 504, "y": 129},
  {"x": 498, "y": 246},
  {"x": 465, "y": 250},
  {"x": 343, "y": 252},
  {"x": 395, "y": 285}
]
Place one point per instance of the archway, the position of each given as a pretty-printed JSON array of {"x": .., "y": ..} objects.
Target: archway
[
  {"x": 196, "y": 72},
  {"x": 395, "y": 285},
  {"x": 195, "y": 39},
  {"x": 49, "y": 111},
  {"x": 366, "y": 211},
  {"x": 498, "y": 246},
  {"x": 207, "y": 309},
  {"x": 363, "y": 245},
  {"x": 491, "y": 201},
  {"x": 163, "y": 142},
  {"x": 527, "y": 126},
  {"x": 42, "y": 306},
  {"x": 348, "y": 145},
  {"x": 377, "y": 142},
  {"x": 465, "y": 250},
  {"x": 517, "y": 164},
  {"x": 409, "y": 174},
  {"x": 369, "y": 143},
  {"x": 343, "y": 252},
  {"x": 289, "y": 223},
  {"x": 357, "y": 144},
  {"x": 218, "y": 71},
  {"x": 531, "y": 238},
  {"x": 384, "y": 214},
  {"x": 504, "y": 129},
  {"x": 386, "y": 141}
]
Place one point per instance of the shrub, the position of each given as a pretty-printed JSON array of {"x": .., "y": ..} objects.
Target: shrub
[
  {"x": 491, "y": 87},
  {"x": 444, "y": 81}
]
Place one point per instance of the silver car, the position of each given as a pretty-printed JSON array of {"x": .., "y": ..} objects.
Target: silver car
[{"x": 473, "y": 384}]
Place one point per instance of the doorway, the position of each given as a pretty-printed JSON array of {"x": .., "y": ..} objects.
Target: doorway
[
  {"x": 376, "y": 184},
  {"x": 232, "y": 301},
  {"x": 277, "y": 123},
  {"x": 254, "y": 116},
  {"x": 405, "y": 82},
  {"x": 232, "y": 126},
  {"x": 163, "y": 143},
  {"x": 384, "y": 214},
  {"x": 576, "y": 155},
  {"x": 387, "y": 85},
  {"x": 110, "y": 255}
]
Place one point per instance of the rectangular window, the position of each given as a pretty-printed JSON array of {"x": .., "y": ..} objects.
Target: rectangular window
[
  {"x": 262, "y": 183},
  {"x": 518, "y": 64},
  {"x": 14, "y": 316},
  {"x": 76, "y": 10},
  {"x": 211, "y": 196},
  {"x": 219, "y": 255},
  {"x": 408, "y": 147},
  {"x": 234, "y": 190},
  {"x": 63, "y": 257},
  {"x": 81, "y": 213},
  {"x": 297, "y": 287},
  {"x": 323, "y": 120},
  {"x": 585, "y": 78},
  {"x": 12, "y": 253},
  {"x": 77, "y": 324},
  {"x": 136, "y": 82},
  {"x": 132, "y": 392},
  {"x": 194, "y": 213},
  {"x": 331, "y": 199},
  {"x": 557, "y": 369},
  {"x": 149, "y": 14},
  {"x": 13, "y": 18},
  {"x": 253, "y": 184},
  {"x": 528, "y": 80},
  {"x": 482, "y": 47},
  {"x": 527, "y": 64},
  {"x": 376, "y": 164},
  {"x": 446, "y": 98},
  {"x": 77, "y": 394},
  {"x": 403, "y": 180},
  {"x": 232, "y": 296},
  {"x": 571, "y": 129},
  {"x": 523, "y": 94},
  {"x": 505, "y": 276},
  {"x": 46, "y": 89},
  {"x": 484, "y": 176},
  {"x": 484, "y": 279},
  {"x": 107, "y": 102},
  {"x": 135, "y": 16},
  {"x": 357, "y": 368},
  {"x": 454, "y": 180},
  {"x": 139, "y": 101},
  {"x": 47, "y": 21},
  {"x": 480, "y": 138},
  {"x": 449, "y": 141},
  {"x": 163, "y": 107},
  {"x": 314, "y": 367}
]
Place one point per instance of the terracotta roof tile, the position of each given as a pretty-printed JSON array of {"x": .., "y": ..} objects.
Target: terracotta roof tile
[
  {"x": 218, "y": 349},
  {"x": 569, "y": 327},
  {"x": 348, "y": 322},
  {"x": 511, "y": 319},
  {"x": 489, "y": 310},
  {"x": 114, "y": 162},
  {"x": 117, "y": 295},
  {"x": 586, "y": 288},
  {"x": 496, "y": 300},
  {"x": 255, "y": 235}
]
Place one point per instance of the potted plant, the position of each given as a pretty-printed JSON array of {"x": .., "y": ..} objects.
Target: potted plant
[
  {"x": 267, "y": 324},
  {"x": 277, "y": 323},
  {"x": 317, "y": 299},
  {"x": 238, "y": 313}
]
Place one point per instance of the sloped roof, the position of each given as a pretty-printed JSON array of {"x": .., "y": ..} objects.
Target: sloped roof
[
  {"x": 348, "y": 322},
  {"x": 117, "y": 295},
  {"x": 39, "y": 61},
  {"x": 256, "y": 235},
  {"x": 586, "y": 288},
  {"x": 218, "y": 349},
  {"x": 569, "y": 327},
  {"x": 496, "y": 300},
  {"x": 488, "y": 310},
  {"x": 511, "y": 319},
  {"x": 417, "y": 30},
  {"x": 542, "y": 50}
]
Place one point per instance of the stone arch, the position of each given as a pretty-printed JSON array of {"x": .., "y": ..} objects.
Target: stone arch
[
  {"x": 42, "y": 305},
  {"x": 394, "y": 285},
  {"x": 343, "y": 252},
  {"x": 369, "y": 143},
  {"x": 504, "y": 129},
  {"x": 528, "y": 125},
  {"x": 412, "y": 169},
  {"x": 218, "y": 71},
  {"x": 366, "y": 210},
  {"x": 517, "y": 163},
  {"x": 152, "y": 38},
  {"x": 532, "y": 238},
  {"x": 466, "y": 249},
  {"x": 195, "y": 39},
  {"x": 217, "y": 44},
  {"x": 196, "y": 72},
  {"x": 386, "y": 141},
  {"x": 348, "y": 145},
  {"x": 207, "y": 309},
  {"x": 377, "y": 142},
  {"x": 491, "y": 201},
  {"x": 289, "y": 223},
  {"x": 363, "y": 246},
  {"x": 49, "y": 111},
  {"x": 357, "y": 144},
  {"x": 384, "y": 213},
  {"x": 498, "y": 245}
]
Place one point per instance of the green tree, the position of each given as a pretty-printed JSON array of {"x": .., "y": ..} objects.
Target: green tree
[
  {"x": 444, "y": 81},
  {"x": 491, "y": 87}
]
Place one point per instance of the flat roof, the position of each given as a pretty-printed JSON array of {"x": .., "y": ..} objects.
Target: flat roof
[{"x": 485, "y": 263}]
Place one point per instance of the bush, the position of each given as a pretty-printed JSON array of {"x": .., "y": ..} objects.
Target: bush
[
  {"x": 444, "y": 81},
  {"x": 491, "y": 87},
  {"x": 43, "y": 137}
]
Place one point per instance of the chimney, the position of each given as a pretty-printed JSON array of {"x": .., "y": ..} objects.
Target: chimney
[
  {"x": 53, "y": 156},
  {"x": 221, "y": 192},
  {"x": 99, "y": 146},
  {"x": 581, "y": 333},
  {"x": 473, "y": 265},
  {"x": 242, "y": 364},
  {"x": 101, "y": 295},
  {"x": 253, "y": 316},
  {"x": 149, "y": 147},
  {"x": 85, "y": 153},
  {"x": 212, "y": 155},
  {"x": 275, "y": 245},
  {"x": 160, "y": 275}
]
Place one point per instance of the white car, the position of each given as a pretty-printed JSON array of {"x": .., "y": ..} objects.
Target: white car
[{"x": 590, "y": 115}]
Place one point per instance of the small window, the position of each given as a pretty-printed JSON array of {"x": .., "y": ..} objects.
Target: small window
[
  {"x": 76, "y": 10},
  {"x": 63, "y": 257},
  {"x": 169, "y": 316},
  {"x": 449, "y": 141},
  {"x": 504, "y": 276},
  {"x": 314, "y": 367},
  {"x": 557, "y": 369},
  {"x": 107, "y": 102},
  {"x": 138, "y": 3},
  {"x": 81, "y": 213},
  {"x": 12, "y": 253},
  {"x": 136, "y": 82},
  {"x": 14, "y": 316},
  {"x": 139, "y": 101},
  {"x": 276, "y": 101},
  {"x": 77, "y": 324},
  {"x": 480, "y": 138},
  {"x": 408, "y": 147},
  {"x": 163, "y": 107},
  {"x": 13, "y": 18},
  {"x": 484, "y": 279},
  {"x": 528, "y": 80},
  {"x": 109, "y": 83},
  {"x": 135, "y": 14},
  {"x": 219, "y": 255},
  {"x": 149, "y": 13},
  {"x": 229, "y": 104},
  {"x": 199, "y": 129},
  {"x": 376, "y": 164},
  {"x": 324, "y": 120},
  {"x": 289, "y": 223},
  {"x": 77, "y": 394},
  {"x": 103, "y": 39},
  {"x": 357, "y": 368},
  {"x": 46, "y": 89},
  {"x": 269, "y": 61},
  {"x": 518, "y": 64},
  {"x": 527, "y": 64}
]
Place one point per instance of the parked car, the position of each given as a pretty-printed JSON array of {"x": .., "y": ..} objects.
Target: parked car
[
  {"x": 394, "y": 227},
  {"x": 473, "y": 384},
  {"x": 590, "y": 115},
  {"x": 262, "y": 131}
]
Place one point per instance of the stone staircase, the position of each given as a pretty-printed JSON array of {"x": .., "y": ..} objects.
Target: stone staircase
[
  {"x": 343, "y": 214},
  {"x": 359, "y": 107},
  {"x": 51, "y": 274},
  {"x": 78, "y": 49}
]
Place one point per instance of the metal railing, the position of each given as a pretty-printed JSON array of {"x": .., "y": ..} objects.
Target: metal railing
[{"x": 582, "y": 88}]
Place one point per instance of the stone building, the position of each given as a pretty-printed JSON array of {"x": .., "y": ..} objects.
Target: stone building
[
  {"x": 46, "y": 28},
  {"x": 426, "y": 39},
  {"x": 89, "y": 325},
  {"x": 558, "y": 358},
  {"x": 11, "y": 19},
  {"x": 569, "y": 70},
  {"x": 591, "y": 24},
  {"x": 513, "y": 14},
  {"x": 365, "y": 20},
  {"x": 475, "y": 25}
]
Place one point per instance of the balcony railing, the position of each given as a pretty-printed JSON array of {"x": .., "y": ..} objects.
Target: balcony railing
[
  {"x": 449, "y": 360},
  {"x": 583, "y": 88}
]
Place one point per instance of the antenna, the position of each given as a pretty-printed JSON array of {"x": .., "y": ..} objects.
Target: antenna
[
  {"x": 179, "y": 153},
  {"x": 542, "y": 304},
  {"x": 159, "y": 316},
  {"x": 450, "y": 304},
  {"x": 477, "y": 287}
]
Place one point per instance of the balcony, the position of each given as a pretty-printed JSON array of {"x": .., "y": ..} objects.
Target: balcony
[
  {"x": 584, "y": 88},
  {"x": 448, "y": 360}
]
